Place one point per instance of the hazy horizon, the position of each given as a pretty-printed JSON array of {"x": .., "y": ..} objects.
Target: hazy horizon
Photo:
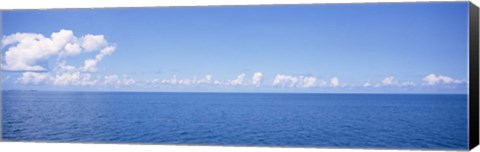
[{"x": 237, "y": 92}]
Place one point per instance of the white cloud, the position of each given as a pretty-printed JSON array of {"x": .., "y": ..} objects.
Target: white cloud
[
  {"x": 388, "y": 81},
  {"x": 285, "y": 80},
  {"x": 93, "y": 42},
  {"x": 90, "y": 65},
  {"x": 17, "y": 37},
  {"x": 66, "y": 78},
  {"x": 73, "y": 78},
  {"x": 206, "y": 80},
  {"x": 308, "y": 82},
  {"x": 334, "y": 82},
  {"x": 185, "y": 82},
  {"x": 217, "y": 82},
  {"x": 239, "y": 80},
  {"x": 61, "y": 39},
  {"x": 32, "y": 77},
  {"x": 129, "y": 81},
  {"x": 115, "y": 80},
  {"x": 111, "y": 80},
  {"x": 171, "y": 81},
  {"x": 72, "y": 49},
  {"x": 257, "y": 79},
  {"x": 26, "y": 51},
  {"x": 154, "y": 81},
  {"x": 282, "y": 80},
  {"x": 367, "y": 84},
  {"x": 106, "y": 51},
  {"x": 433, "y": 79},
  {"x": 86, "y": 80}
]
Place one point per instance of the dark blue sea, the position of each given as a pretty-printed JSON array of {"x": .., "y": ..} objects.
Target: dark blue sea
[{"x": 404, "y": 121}]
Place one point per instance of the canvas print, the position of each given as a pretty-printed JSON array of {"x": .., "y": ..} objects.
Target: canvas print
[{"x": 377, "y": 75}]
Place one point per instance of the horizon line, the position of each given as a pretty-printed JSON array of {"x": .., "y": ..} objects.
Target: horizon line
[{"x": 232, "y": 92}]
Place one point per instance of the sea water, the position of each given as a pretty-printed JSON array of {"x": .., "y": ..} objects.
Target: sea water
[{"x": 405, "y": 121}]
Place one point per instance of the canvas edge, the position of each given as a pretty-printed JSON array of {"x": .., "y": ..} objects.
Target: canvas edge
[{"x": 473, "y": 94}]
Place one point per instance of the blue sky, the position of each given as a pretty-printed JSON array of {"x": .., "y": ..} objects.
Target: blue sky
[{"x": 353, "y": 48}]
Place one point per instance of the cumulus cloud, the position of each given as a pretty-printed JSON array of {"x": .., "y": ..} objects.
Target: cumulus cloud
[
  {"x": 90, "y": 65},
  {"x": 308, "y": 82},
  {"x": 93, "y": 42},
  {"x": 32, "y": 77},
  {"x": 111, "y": 80},
  {"x": 115, "y": 80},
  {"x": 129, "y": 81},
  {"x": 63, "y": 67},
  {"x": 282, "y": 80},
  {"x": 239, "y": 80},
  {"x": 66, "y": 78},
  {"x": 171, "y": 81},
  {"x": 26, "y": 51},
  {"x": 30, "y": 48},
  {"x": 388, "y": 81},
  {"x": 207, "y": 80},
  {"x": 72, "y": 49},
  {"x": 17, "y": 37},
  {"x": 73, "y": 78},
  {"x": 334, "y": 82},
  {"x": 433, "y": 79},
  {"x": 285, "y": 80},
  {"x": 257, "y": 79}
]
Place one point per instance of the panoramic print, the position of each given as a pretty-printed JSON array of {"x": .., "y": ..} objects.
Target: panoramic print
[{"x": 385, "y": 75}]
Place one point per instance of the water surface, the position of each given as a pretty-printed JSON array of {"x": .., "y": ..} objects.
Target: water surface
[{"x": 244, "y": 119}]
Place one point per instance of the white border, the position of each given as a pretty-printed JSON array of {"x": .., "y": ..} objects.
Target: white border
[
  {"x": 81, "y": 147},
  {"x": 55, "y": 4},
  {"x": 48, "y": 4}
]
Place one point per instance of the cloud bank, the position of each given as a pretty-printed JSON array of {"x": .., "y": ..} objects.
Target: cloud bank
[
  {"x": 301, "y": 81},
  {"x": 31, "y": 54},
  {"x": 433, "y": 79}
]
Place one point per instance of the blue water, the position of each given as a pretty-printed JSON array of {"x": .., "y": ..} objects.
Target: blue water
[{"x": 245, "y": 119}]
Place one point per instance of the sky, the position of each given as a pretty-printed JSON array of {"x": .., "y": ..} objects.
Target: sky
[{"x": 329, "y": 48}]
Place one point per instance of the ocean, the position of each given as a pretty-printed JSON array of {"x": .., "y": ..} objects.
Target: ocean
[{"x": 384, "y": 121}]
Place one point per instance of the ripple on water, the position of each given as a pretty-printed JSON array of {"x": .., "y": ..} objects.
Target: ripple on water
[{"x": 328, "y": 120}]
